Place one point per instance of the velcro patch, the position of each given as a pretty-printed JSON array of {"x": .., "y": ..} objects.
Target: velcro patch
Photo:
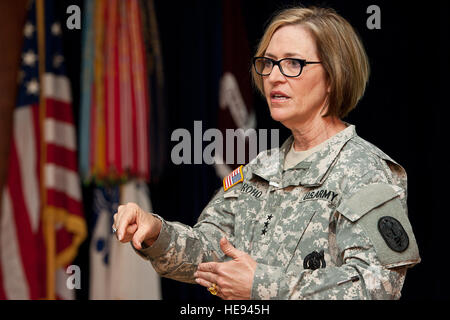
[{"x": 233, "y": 178}]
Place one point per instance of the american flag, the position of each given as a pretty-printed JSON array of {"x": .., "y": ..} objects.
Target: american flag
[
  {"x": 233, "y": 178},
  {"x": 42, "y": 221}
]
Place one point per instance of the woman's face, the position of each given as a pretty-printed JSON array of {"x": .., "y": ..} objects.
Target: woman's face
[{"x": 295, "y": 101}]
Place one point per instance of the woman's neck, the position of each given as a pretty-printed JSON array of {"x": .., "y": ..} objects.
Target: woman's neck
[{"x": 311, "y": 134}]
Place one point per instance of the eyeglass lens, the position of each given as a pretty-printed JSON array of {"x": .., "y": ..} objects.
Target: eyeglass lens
[{"x": 289, "y": 67}]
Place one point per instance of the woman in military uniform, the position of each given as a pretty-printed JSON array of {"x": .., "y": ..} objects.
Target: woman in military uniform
[{"x": 322, "y": 217}]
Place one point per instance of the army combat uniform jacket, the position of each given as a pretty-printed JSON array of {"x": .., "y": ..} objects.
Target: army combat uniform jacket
[{"x": 335, "y": 226}]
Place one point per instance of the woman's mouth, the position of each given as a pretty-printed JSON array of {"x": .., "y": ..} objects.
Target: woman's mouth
[{"x": 278, "y": 97}]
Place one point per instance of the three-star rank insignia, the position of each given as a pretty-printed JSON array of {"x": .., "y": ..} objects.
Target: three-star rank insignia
[
  {"x": 233, "y": 178},
  {"x": 393, "y": 233},
  {"x": 314, "y": 260},
  {"x": 266, "y": 224}
]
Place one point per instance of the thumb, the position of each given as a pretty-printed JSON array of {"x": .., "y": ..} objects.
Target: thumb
[
  {"x": 138, "y": 238},
  {"x": 228, "y": 248}
]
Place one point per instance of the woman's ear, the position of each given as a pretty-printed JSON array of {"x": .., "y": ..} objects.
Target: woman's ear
[{"x": 328, "y": 85}]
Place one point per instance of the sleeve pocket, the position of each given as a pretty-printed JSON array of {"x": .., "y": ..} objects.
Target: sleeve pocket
[
  {"x": 378, "y": 210},
  {"x": 367, "y": 199}
]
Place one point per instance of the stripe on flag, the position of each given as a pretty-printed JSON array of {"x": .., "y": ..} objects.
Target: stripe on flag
[
  {"x": 57, "y": 88},
  {"x": 15, "y": 284},
  {"x": 24, "y": 140},
  {"x": 64, "y": 180},
  {"x": 60, "y": 134}
]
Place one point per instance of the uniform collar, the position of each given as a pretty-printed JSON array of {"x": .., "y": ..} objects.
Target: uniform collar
[{"x": 310, "y": 172}]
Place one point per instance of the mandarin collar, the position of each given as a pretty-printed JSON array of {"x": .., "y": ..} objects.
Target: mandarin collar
[{"x": 310, "y": 172}]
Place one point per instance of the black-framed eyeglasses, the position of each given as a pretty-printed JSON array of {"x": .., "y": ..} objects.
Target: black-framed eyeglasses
[{"x": 290, "y": 67}]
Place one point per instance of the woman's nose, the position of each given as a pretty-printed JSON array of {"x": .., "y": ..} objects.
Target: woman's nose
[{"x": 276, "y": 75}]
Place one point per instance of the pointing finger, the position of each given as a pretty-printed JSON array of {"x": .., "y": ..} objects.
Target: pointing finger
[{"x": 118, "y": 216}]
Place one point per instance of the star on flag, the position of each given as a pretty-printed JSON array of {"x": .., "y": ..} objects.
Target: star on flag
[{"x": 29, "y": 58}]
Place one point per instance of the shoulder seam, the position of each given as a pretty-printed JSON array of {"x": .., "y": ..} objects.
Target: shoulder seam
[{"x": 380, "y": 156}]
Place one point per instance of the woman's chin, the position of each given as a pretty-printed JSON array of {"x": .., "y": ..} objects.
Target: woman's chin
[{"x": 279, "y": 115}]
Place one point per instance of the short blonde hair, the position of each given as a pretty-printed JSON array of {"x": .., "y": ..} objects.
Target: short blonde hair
[{"x": 339, "y": 48}]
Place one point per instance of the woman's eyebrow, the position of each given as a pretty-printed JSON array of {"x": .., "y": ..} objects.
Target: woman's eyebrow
[{"x": 286, "y": 55}]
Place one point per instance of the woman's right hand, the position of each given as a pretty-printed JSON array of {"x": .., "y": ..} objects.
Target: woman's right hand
[{"x": 134, "y": 224}]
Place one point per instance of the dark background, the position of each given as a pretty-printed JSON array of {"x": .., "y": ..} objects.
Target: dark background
[{"x": 402, "y": 113}]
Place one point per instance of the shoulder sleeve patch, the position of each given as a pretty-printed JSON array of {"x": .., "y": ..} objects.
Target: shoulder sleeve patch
[
  {"x": 378, "y": 210},
  {"x": 233, "y": 178}
]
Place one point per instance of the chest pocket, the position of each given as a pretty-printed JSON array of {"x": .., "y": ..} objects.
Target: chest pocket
[
  {"x": 246, "y": 204},
  {"x": 289, "y": 232}
]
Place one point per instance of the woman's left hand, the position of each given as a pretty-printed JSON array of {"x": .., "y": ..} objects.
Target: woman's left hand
[{"x": 233, "y": 278}]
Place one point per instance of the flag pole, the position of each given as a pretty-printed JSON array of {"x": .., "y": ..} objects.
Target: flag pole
[{"x": 47, "y": 218}]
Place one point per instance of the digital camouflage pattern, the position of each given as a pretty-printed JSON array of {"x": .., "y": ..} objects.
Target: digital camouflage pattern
[{"x": 312, "y": 229}]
